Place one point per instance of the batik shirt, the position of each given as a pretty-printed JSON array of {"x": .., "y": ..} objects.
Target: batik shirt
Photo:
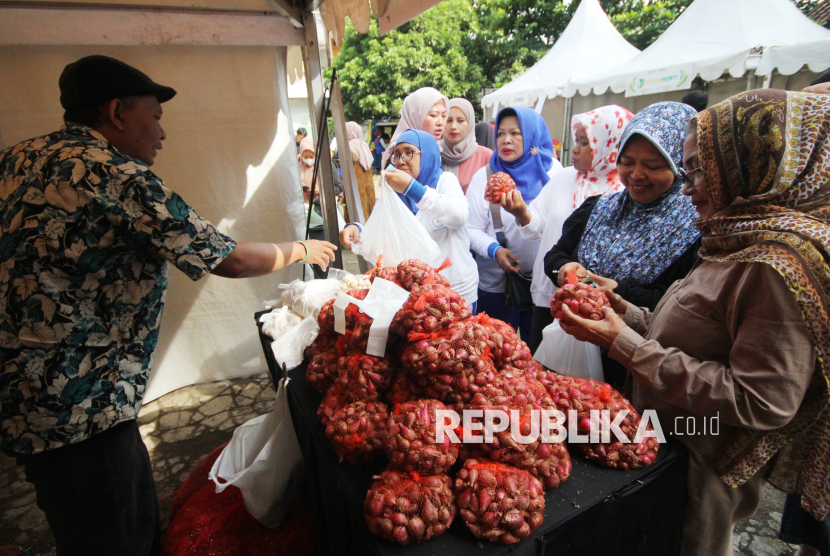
[{"x": 86, "y": 235}]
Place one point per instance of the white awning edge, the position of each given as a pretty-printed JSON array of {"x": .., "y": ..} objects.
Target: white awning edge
[{"x": 789, "y": 59}]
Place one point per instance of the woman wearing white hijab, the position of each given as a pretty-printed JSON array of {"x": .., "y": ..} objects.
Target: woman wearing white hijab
[
  {"x": 460, "y": 153},
  {"x": 422, "y": 110}
]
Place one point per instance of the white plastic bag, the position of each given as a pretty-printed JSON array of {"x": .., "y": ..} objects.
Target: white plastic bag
[
  {"x": 263, "y": 460},
  {"x": 561, "y": 352},
  {"x": 394, "y": 232},
  {"x": 279, "y": 321},
  {"x": 288, "y": 349},
  {"x": 307, "y": 298}
]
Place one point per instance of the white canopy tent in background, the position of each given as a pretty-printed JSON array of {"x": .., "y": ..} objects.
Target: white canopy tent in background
[
  {"x": 230, "y": 149},
  {"x": 589, "y": 45},
  {"x": 710, "y": 38},
  {"x": 789, "y": 59}
]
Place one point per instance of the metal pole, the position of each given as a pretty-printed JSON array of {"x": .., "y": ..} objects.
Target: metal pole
[
  {"x": 350, "y": 189},
  {"x": 566, "y": 132},
  {"x": 316, "y": 94}
]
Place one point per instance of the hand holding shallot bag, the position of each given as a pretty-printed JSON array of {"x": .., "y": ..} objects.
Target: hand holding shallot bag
[
  {"x": 394, "y": 232},
  {"x": 263, "y": 460}
]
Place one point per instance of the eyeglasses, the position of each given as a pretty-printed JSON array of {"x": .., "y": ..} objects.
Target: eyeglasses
[
  {"x": 685, "y": 175},
  {"x": 405, "y": 156}
]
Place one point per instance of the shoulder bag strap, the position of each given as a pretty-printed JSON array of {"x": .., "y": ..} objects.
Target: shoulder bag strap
[{"x": 495, "y": 214}]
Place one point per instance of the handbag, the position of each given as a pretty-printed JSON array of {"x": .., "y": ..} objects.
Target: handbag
[{"x": 517, "y": 284}]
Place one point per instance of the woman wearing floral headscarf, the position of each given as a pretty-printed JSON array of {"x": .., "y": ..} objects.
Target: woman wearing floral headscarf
[
  {"x": 460, "y": 153},
  {"x": 640, "y": 240},
  {"x": 524, "y": 151},
  {"x": 596, "y": 134},
  {"x": 746, "y": 336}
]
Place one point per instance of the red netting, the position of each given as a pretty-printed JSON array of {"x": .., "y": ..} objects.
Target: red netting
[
  {"x": 386, "y": 272},
  {"x": 582, "y": 299},
  {"x": 583, "y": 395},
  {"x": 498, "y": 502},
  {"x": 322, "y": 370},
  {"x": 460, "y": 388},
  {"x": 334, "y": 399},
  {"x": 411, "y": 443},
  {"x": 505, "y": 346},
  {"x": 430, "y": 308},
  {"x": 359, "y": 339},
  {"x": 403, "y": 389},
  {"x": 413, "y": 272},
  {"x": 323, "y": 343},
  {"x": 326, "y": 317},
  {"x": 448, "y": 351},
  {"x": 358, "y": 432},
  {"x": 405, "y": 508},
  {"x": 364, "y": 377},
  {"x": 498, "y": 184}
]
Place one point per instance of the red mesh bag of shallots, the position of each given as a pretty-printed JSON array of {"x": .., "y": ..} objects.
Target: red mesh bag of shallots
[
  {"x": 326, "y": 317},
  {"x": 460, "y": 388},
  {"x": 430, "y": 308},
  {"x": 359, "y": 338},
  {"x": 505, "y": 346},
  {"x": 550, "y": 462},
  {"x": 323, "y": 368},
  {"x": 386, "y": 272},
  {"x": 584, "y": 395},
  {"x": 411, "y": 443},
  {"x": 403, "y": 389},
  {"x": 364, "y": 377},
  {"x": 323, "y": 343},
  {"x": 413, "y": 272},
  {"x": 448, "y": 351},
  {"x": 405, "y": 508},
  {"x": 498, "y": 184},
  {"x": 358, "y": 432},
  {"x": 583, "y": 299},
  {"x": 498, "y": 502},
  {"x": 334, "y": 399}
]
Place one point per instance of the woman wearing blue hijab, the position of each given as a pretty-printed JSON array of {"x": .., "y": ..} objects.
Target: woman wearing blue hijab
[
  {"x": 524, "y": 150},
  {"x": 437, "y": 201}
]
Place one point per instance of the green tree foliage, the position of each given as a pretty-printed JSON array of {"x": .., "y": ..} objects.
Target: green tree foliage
[
  {"x": 462, "y": 46},
  {"x": 377, "y": 72}
]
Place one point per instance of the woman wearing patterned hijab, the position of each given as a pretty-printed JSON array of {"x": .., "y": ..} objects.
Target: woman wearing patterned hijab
[
  {"x": 524, "y": 151},
  {"x": 757, "y": 307},
  {"x": 596, "y": 134},
  {"x": 640, "y": 240}
]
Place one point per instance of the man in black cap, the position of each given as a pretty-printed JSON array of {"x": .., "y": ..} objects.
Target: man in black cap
[{"x": 87, "y": 232}]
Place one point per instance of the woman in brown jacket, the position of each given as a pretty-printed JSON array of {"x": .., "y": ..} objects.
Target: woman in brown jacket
[{"x": 746, "y": 336}]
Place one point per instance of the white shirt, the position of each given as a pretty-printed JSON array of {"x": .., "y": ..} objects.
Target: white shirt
[
  {"x": 482, "y": 235},
  {"x": 548, "y": 213},
  {"x": 444, "y": 213}
]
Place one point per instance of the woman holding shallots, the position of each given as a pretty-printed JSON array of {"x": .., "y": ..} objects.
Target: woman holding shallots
[
  {"x": 594, "y": 172},
  {"x": 524, "y": 152},
  {"x": 436, "y": 200},
  {"x": 746, "y": 336}
]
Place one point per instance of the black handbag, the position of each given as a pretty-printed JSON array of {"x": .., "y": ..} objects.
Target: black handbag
[{"x": 517, "y": 284}]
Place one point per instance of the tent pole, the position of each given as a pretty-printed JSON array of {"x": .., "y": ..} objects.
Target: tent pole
[
  {"x": 316, "y": 104},
  {"x": 566, "y": 132},
  {"x": 751, "y": 81},
  {"x": 350, "y": 189}
]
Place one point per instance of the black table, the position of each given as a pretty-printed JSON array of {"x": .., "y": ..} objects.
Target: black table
[{"x": 597, "y": 511}]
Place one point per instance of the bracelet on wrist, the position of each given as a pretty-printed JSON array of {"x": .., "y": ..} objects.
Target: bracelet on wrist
[{"x": 307, "y": 251}]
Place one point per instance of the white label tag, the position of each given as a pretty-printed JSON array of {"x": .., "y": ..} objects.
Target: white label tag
[{"x": 384, "y": 300}]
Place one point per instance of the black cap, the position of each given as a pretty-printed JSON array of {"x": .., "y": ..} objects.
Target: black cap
[{"x": 96, "y": 79}]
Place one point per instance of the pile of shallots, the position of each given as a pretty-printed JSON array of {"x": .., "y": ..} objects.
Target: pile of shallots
[{"x": 439, "y": 356}]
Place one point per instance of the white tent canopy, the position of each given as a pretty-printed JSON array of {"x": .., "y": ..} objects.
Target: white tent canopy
[
  {"x": 789, "y": 59},
  {"x": 590, "y": 45},
  {"x": 710, "y": 37}
]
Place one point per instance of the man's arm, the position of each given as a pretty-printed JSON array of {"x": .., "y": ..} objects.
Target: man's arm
[{"x": 250, "y": 258}]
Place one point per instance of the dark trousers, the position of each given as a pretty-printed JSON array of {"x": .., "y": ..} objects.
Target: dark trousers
[
  {"x": 99, "y": 495},
  {"x": 541, "y": 319},
  {"x": 493, "y": 305},
  {"x": 799, "y": 527}
]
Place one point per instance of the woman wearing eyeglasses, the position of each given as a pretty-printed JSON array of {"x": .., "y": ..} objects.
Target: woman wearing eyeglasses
[
  {"x": 639, "y": 241},
  {"x": 436, "y": 200}
]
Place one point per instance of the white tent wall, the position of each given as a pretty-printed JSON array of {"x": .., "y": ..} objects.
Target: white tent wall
[{"x": 229, "y": 152}]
